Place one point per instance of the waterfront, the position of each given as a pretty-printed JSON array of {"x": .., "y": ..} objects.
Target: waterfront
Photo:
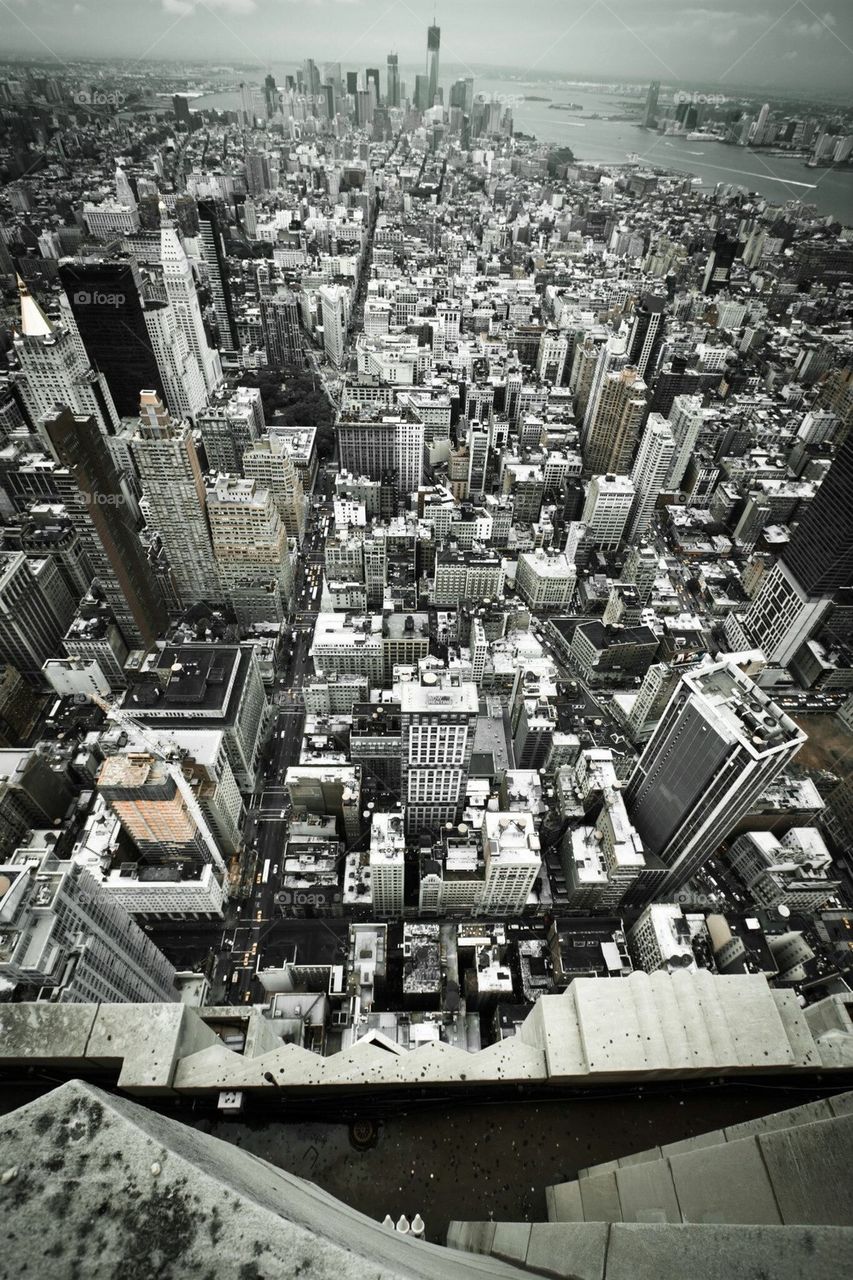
[{"x": 609, "y": 141}]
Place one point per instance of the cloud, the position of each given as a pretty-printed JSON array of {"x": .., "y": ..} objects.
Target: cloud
[
  {"x": 183, "y": 7},
  {"x": 822, "y": 25}
]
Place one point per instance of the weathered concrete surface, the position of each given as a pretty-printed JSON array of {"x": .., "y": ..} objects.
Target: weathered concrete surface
[
  {"x": 96, "y": 1187},
  {"x": 559, "y": 1249},
  {"x": 647, "y": 1194},
  {"x": 724, "y": 1184},
  {"x": 811, "y": 1171},
  {"x": 708, "y": 1252}
]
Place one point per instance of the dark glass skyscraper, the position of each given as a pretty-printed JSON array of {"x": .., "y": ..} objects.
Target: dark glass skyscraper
[
  {"x": 820, "y": 553},
  {"x": 220, "y": 291},
  {"x": 393, "y": 91},
  {"x": 106, "y": 304}
]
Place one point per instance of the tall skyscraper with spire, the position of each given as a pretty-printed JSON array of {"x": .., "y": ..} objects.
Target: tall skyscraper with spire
[
  {"x": 182, "y": 297},
  {"x": 393, "y": 86},
  {"x": 57, "y": 370},
  {"x": 433, "y": 46}
]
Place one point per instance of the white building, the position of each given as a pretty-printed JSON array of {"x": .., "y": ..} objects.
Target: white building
[
  {"x": 387, "y": 863},
  {"x": 334, "y": 301},
  {"x": 545, "y": 580},
  {"x": 663, "y": 938},
  {"x": 512, "y": 861},
  {"x": 607, "y": 509},
  {"x": 649, "y": 474},
  {"x": 438, "y": 719},
  {"x": 74, "y": 677}
]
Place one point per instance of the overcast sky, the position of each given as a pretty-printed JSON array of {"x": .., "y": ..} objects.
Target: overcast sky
[{"x": 733, "y": 42}]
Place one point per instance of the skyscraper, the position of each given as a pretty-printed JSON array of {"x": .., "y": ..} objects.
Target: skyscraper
[
  {"x": 820, "y": 552},
  {"x": 685, "y": 419},
  {"x": 333, "y": 302},
  {"x": 649, "y": 473},
  {"x": 64, "y": 933},
  {"x": 183, "y": 299},
  {"x": 393, "y": 81},
  {"x": 717, "y": 746},
  {"x": 647, "y": 332},
  {"x": 36, "y": 608},
  {"x": 371, "y": 79},
  {"x": 213, "y": 247},
  {"x": 433, "y": 45},
  {"x": 174, "y": 499},
  {"x": 612, "y": 425},
  {"x": 609, "y": 500},
  {"x": 97, "y": 501},
  {"x": 719, "y": 265},
  {"x": 250, "y": 544},
  {"x": 57, "y": 370},
  {"x": 387, "y": 863},
  {"x": 105, "y": 297},
  {"x": 651, "y": 108},
  {"x": 282, "y": 332}
]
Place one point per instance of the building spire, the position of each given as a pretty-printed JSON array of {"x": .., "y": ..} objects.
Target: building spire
[{"x": 34, "y": 323}]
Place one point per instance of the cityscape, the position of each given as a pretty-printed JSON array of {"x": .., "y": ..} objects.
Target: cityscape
[{"x": 426, "y": 645}]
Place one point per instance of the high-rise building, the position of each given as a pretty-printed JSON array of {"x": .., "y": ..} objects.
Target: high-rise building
[
  {"x": 251, "y": 548},
  {"x": 154, "y": 811},
  {"x": 213, "y": 248},
  {"x": 717, "y": 746},
  {"x": 35, "y": 610},
  {"x": 65, "y": 935},
  {"x": 438, "y": 721},
  {"x": 97, "y": 501},
  {"x": 390, "y": 448},
  {"x": 647, "y": 334},
  {"x": 609, "y": 500},
  {"x": 649, "y": 473},
  {"x": 334, "y": 308},
  {"x": 371, "y": 79},
  {"x": 232, "y": 421},
  {"x": 182, "y": 296},
  {"x": 613, "y": 421},
  {"x": 387, "y": 862},
  {"x": 282, "y": 332},
  {"x": 685, "y": 420},
  {"x": 641, "y": 569},
  {"x": 433, "y": 46},
  {"x": 57, "y": 371},
  {"x": 178, "y": 371},
  {"x": 820, "y": 552},
  {"x": 269, "y": 462},
  {"x": 651, "y": 108},
  {"x": 174, "y": 499},
  {"x": 393, "y": 81},
  {"x": 719, "y": 265},
  {"x": 105, "y": 300}
]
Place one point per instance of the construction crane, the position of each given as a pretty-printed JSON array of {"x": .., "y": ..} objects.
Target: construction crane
[{"x": 170, "y": 757}]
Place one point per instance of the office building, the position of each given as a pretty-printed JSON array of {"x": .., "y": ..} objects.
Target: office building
[
  {"x": 545, "y": 580},
  {"x": 97, "y": 501},
  {"x": 105, "y": 297},
  {"x": 35, "y": 610},
  {"x": 282, "y": 331},
  {"x": 650, "y": 110},
  {"x": 717, "y": 746},
  {"x": 387, "y": 863},
  {"x": 185, "y": 390},
  {"x": 820, "y": 552},
  {"x": 647, "y": 333},
  {"x": 391, "y": 447},
  {"x": 334, "y": 304},
  {"x": 206, "y": 687},
  {"x": 269, "y": 462},
  {"x": 794, "y": 872},
  {"x": 57, "y": 371},
  {"x": 93, "y": 636},
  {"x": 251, "y": 549},
  {"x": 67, "y": 941},
  {"x": 607, "y": 509},
  {"x": 438, "y": 720},
  {"x": 213, "y": 248},
  {"x": 174, "y": 500},
  {"x": 229, "y": 424},
  {"x": 433, "y": 46},
  {"x": 783, "y": 615},
  {"x": 182, "y": 297},
  {"x": 392, "y": 96},
  {"x": 512, "y": 861},
  {"x": 685, "y": 420},
  {"x": 649, "y": 474},
  {"x": 613, "y": 422}
]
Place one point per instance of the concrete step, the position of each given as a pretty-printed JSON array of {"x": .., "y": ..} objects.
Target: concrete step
[
  {"x": 661, "y": 1251},
  {"x": 799, "y": 1175}
]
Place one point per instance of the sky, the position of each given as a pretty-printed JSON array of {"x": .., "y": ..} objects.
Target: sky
[{"x": 739, "y": 43}]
